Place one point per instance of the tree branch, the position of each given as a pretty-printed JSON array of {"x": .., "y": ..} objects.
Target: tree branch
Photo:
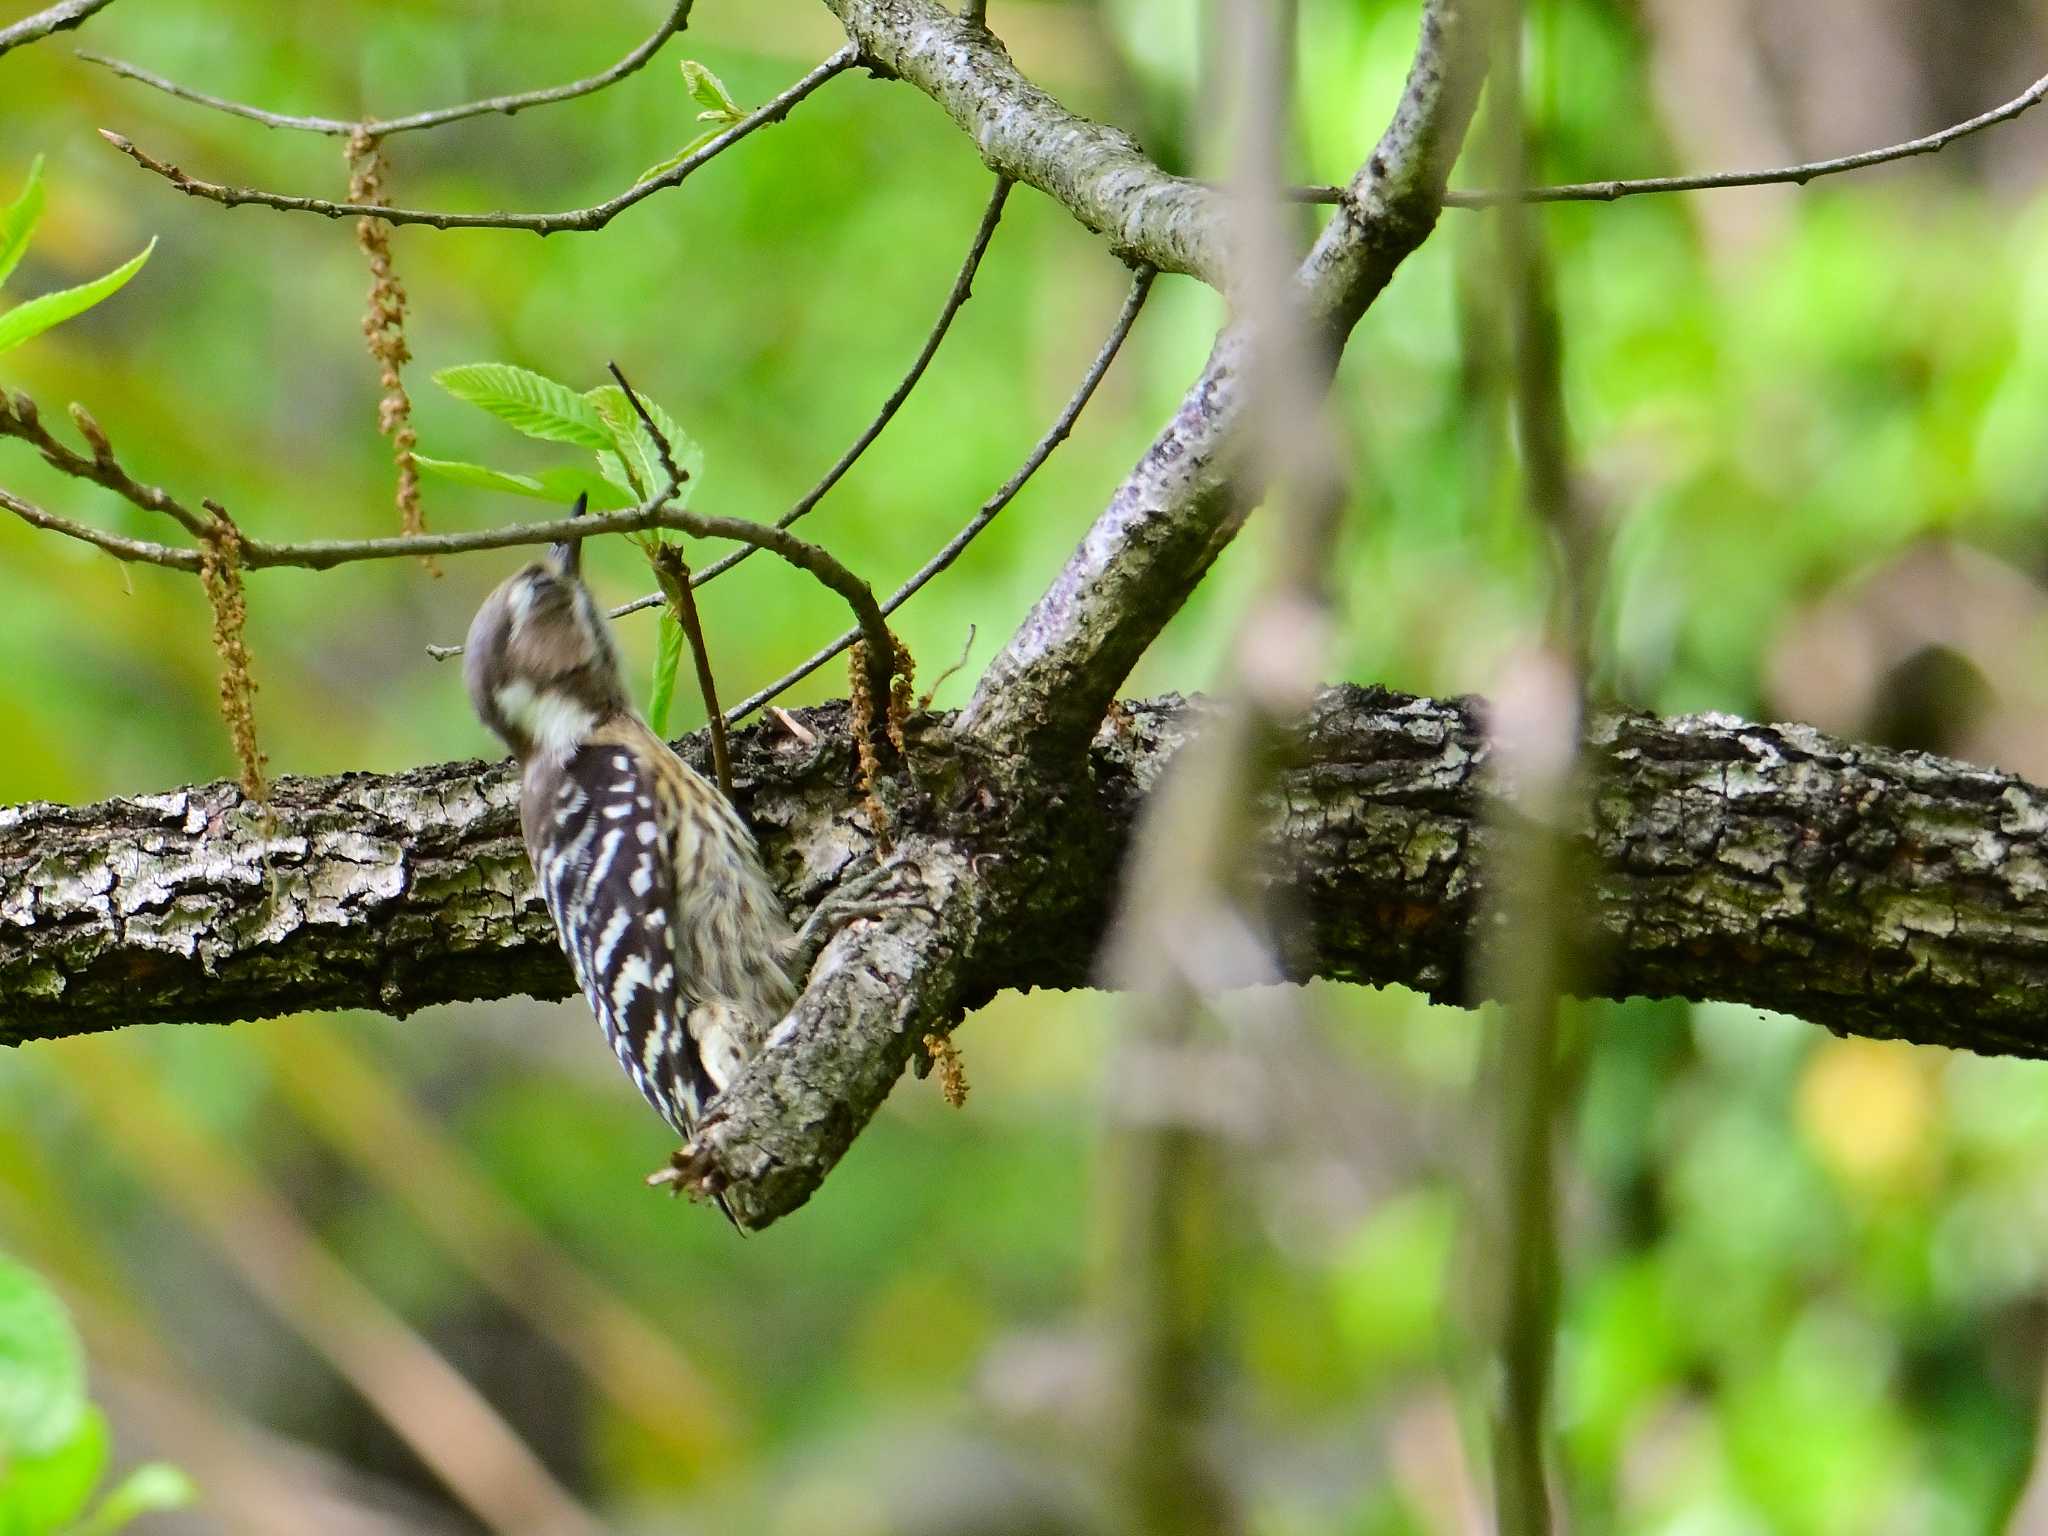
[
  {"x": 1798, "y": 175},
  {"x": 962, "y": 289},
  {"x": 1880, "y": 893},
  {"x": 951, "y": 550},
  {"x": 1185, "y": 500},
  {"x": 35, "y": 27},
  {"x": 579, "y": 220},
  {"x": 382, "y": 127},
  {"x": 1097, "y": 173}
]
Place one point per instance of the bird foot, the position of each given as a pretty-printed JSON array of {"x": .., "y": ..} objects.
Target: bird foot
[
  {"x": 690, "y": 1172},
  {"x": 849, "y": 903}
]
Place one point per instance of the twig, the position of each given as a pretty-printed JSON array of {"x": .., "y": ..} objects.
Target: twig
[
  {"x": 678, "y": 17},
  {"x": 974, "y": 13},
  {"x": 1141, "y": 287},
  {"x": 580, "y": 219},
  {"x": 20, "y": 418},
  {"x": 324, "y": 554},
  {"x": 112, "y": 543},
  {"x": 963, "y": 286},
  {"x": 674, "y": 577},
  {"x": 924, "y": 700},
  {"x": 58, "y": 18},
  {"x": 1798, "y": 175}
]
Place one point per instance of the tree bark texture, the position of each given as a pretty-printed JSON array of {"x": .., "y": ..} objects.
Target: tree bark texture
[{"x": 1879, "y": 893}]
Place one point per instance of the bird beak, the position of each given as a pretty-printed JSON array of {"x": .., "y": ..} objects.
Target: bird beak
[{"x": 567, "y": 558}]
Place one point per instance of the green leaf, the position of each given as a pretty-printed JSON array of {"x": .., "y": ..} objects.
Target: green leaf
[
  {"x": 42, "y": 1367},
  {"x": 663, "y": 167},
  {"x": 18, "y": 219},
  {"x": 151, "y": 1489},
  {"x": 39, "y": 314},
  {"x": 561, "y": 485},
  {"x": 47, "y": 1492},
  {"x": 528, "y": 402},
  {"x": 634, "y": 462},
  {"x": 709, "y": 92},
  {"x": 668, "y": 655}
]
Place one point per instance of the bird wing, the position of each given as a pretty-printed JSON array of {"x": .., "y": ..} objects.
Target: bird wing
[{"x": 604, "y": 849}]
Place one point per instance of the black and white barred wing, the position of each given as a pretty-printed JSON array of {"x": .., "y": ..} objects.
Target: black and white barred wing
[{"x": 604, "y": 846}]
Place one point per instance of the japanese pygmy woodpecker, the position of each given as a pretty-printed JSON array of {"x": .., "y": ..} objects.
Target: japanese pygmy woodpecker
[{"x": 655, "y": 884}]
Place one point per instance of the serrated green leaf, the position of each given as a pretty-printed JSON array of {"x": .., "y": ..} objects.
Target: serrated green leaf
[
  {"x": 663, "y": 167},
  {"x": 42, "y": 1367},
  {"x": 562, "y": 484},
  {"x": 18, "y": 219},
  {"x": 151, "y": 1489},
  {"x": 635, "y": 460},
  {"x": 709, "y": 92},
  {"x": 528, "y": 402},
  {"x": 48, "y": 1492},
  {"x": 39, "y": 314},
  {"x": 668, "y": 656}
]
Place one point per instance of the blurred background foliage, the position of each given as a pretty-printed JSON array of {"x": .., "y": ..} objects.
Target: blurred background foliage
[{"x": 1806, "y": 1279}]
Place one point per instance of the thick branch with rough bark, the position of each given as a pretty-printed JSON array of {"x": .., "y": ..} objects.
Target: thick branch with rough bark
[{"x": 1880, "y": 893}]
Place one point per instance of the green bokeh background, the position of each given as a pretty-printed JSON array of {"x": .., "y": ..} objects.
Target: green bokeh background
[{"x": 1804, "y": 1278}]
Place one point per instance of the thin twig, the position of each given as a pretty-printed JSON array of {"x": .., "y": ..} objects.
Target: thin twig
[
  {"x": 1141, "y": 286},
  {"x": 678, "y": 17},
  {"x": 582, "y": 220},
  {"x": 112, "y": 543},
  {"x": 674, "y": 577},
  {"x": 58, "y": 18},
  {"x": 963, "y": 286},
  {"x": 20, "y": 418},
  {"x": 1798, "y": 175}
]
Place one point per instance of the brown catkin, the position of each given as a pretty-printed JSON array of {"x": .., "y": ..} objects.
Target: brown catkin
[
  {"x": 902, "y": 698},
  {"x": 951, "y": 1069},
  {"x": 861, "y": 720},
  {"x": 220, "y": 573},
  {"x": 384, "y": 330}
]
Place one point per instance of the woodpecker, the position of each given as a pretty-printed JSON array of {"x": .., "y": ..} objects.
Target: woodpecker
[{"x": 656, "y": 886}]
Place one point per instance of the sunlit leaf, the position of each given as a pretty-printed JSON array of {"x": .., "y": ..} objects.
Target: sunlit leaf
[
  {"x": 668, "y": 655},
  {"x": 562, "y": 485},
  {"x": 528, "y": 402},
  {"x": 18, "y": 219},
  {"x": 39, "y": 314},
  {"x": 48, "y": 1492},
  {"x": 42, "y": 1367},
  {"x": 709, "y": 92}
]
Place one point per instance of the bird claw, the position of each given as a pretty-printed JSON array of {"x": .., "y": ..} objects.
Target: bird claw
[
  {"x": 691, "y": 1172},
  {"x": 846, "y": 904}
]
